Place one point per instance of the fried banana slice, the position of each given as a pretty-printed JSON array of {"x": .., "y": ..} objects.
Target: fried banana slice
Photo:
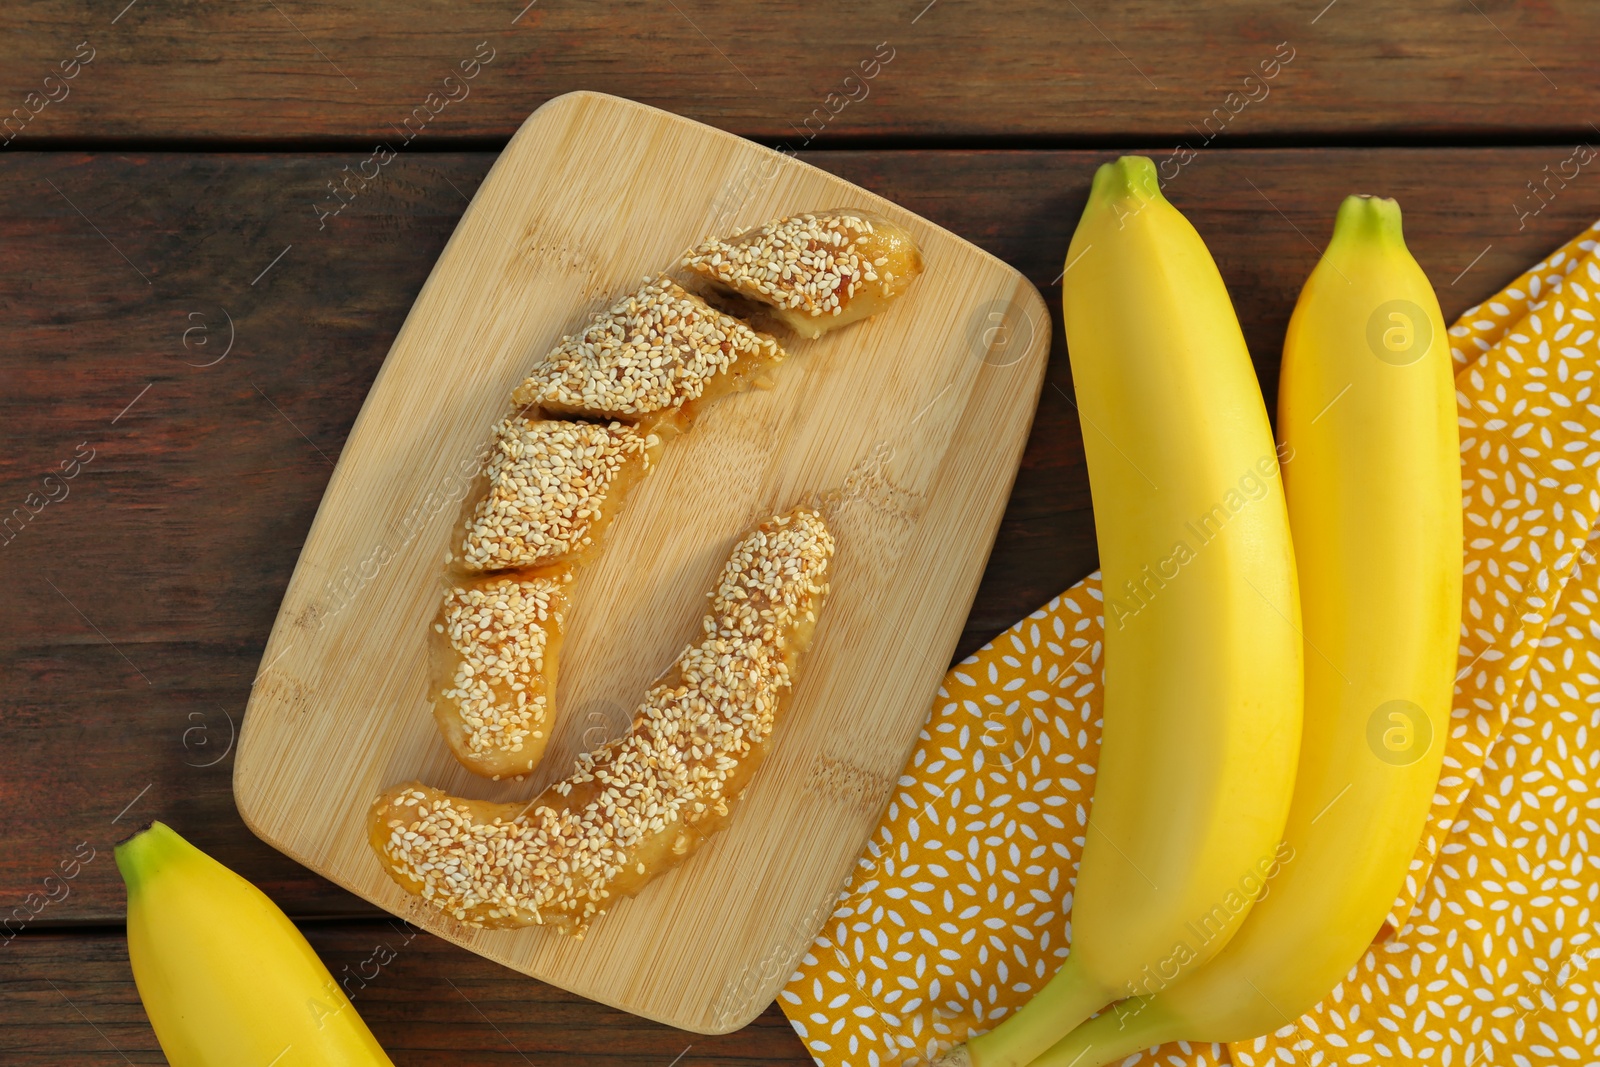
[
  {"x": 553, "y": 487},
  {"x": 817, "y": 271},
  {"x": 493, "y": 653},
  {"x": 638, "y": 805},
  {"x": 656, "y": 352}
]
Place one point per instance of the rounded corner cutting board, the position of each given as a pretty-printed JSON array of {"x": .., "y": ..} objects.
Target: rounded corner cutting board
[{"x": 907, "y": 428}]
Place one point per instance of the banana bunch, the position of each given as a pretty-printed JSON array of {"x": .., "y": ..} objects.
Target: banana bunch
[
  {"x": 1367, "y": 425},
  {"x": 225, "y": 977}
]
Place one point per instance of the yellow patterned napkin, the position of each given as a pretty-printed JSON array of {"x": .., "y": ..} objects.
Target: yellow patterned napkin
[{"x": 958, "y": 911}]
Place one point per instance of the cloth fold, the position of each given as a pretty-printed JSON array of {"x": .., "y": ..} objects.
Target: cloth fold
[{"x": 960, "y": 908}]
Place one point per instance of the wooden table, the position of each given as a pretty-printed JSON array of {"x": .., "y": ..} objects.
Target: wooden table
[{"x": 179, "y": 305}]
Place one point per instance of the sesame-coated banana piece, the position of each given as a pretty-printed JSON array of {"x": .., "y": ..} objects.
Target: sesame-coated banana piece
[
  {"x": 656, "y": 355},
  {"x": 817, "y": 271},
  {"x": 638, "y": 805}
]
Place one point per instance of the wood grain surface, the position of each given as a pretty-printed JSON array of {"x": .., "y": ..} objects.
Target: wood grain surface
[
  {"x": 136, "y": 608},
  {"x": 69, "y": 998},
  {"x": 804, "y": 74},
  {"x": 906, "y": 429}
]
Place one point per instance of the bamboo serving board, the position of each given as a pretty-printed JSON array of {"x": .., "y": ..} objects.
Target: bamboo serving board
[{"x": 907, "y": 429}]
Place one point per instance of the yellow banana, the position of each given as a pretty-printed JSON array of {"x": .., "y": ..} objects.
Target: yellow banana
[
  {"x": 225, "y": 977},
  {"x": 1203, "y": 680},
  {"x": 1367, "y": 405}
]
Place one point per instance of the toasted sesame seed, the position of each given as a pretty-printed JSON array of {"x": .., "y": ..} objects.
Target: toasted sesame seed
[
  {"x": 655, "y": 349},
  {"x": 549, "y": 861},
  {"x": 499, "y": 630},
  {"x": 812, "y": 264},
  {"x": 548, "y": 482}
]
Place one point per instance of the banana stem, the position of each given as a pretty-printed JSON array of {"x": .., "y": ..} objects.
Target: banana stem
[
  {"x": 141, "y": 855},
  {"x": 1065, "y": 1001},
  {"x": 1369, "y": 220},
  {"x": 1127, "y": 1027}
]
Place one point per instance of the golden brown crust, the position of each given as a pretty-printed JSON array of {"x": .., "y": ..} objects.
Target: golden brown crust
[
  {"x": 651, "y": 353},
  {"x": 817, "y": 271},
  {"x": 550, "y": 488},
  {"x": 556, "y": 478},
  {"x": 493, "y": 653},
  {"x": 638, "y": 805}
]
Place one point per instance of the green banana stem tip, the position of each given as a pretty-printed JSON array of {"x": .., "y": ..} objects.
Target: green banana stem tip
[
  {"x": 1128, "y": 178},
  {"x": 1369, "y": 218},
  {"x": 141, "y": 854}
]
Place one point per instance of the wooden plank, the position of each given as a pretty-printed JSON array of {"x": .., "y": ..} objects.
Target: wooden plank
[
  {"x": 1017, "y": 68},
  {"x": 912, "y": 422},
  {"x": 68, "y": 1000},
  {"x": 178, "y": 537}
]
